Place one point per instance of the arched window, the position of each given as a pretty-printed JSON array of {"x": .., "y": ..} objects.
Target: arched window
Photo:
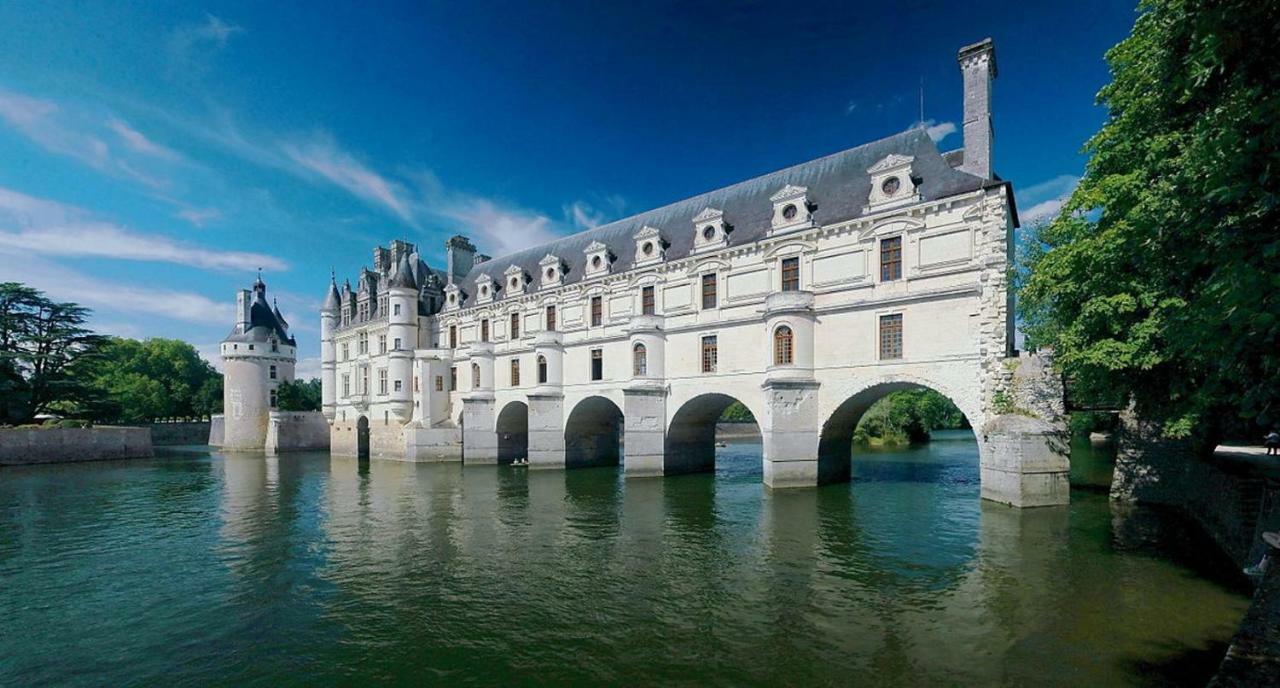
[
  {"x": 542, "y": 370},
  {"x": 640, "y": 360},
  {"x": 475, "y": 375},
  {"x": 782, "y": 346}
]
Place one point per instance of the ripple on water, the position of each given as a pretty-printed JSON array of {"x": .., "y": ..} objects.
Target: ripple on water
[{"x": 309, "y": 570}]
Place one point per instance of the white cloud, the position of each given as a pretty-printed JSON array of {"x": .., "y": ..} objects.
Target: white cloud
[
  {"x": 46, "y": 227},
  {"x": 937, "y": 130},
  {"x": 323, "y": 157},
  {"x": 190, "y": 44},
  {"x": 140, "y": 143},
  {"x": 1042, "y": 201},
  {"x": 199, "y": 216},
  {"x": 583, "y": 215},
  {"x": 307, "y": 368},
  {"x": 498, "y": 230},
  {"x": 70, "y": 285}
]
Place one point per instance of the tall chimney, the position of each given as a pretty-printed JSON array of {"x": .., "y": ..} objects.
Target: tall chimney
[
  {"x": 978, "y": 65},
  {"x": 461, "y": 254},
  {"x": 244, "y": 306}
]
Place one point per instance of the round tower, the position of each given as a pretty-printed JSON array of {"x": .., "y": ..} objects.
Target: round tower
[
  {"x": 257, "y": 356},
  {"x": 328, "y": 351},
  {"x": 402, "y": 333}
]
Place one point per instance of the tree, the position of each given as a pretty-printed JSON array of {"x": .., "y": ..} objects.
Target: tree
[
  {"x": 1158, "y": 281},
  {"x": 299, "y": 395},
  {"x": 44, "y": 351},
  {"x": 141, "y": 381},
  {"x": 908, "y": 416}
]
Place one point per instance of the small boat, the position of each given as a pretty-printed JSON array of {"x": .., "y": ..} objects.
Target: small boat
[
  {"x": 520, "y": 462},
  {"x": 722, "y": 444}
]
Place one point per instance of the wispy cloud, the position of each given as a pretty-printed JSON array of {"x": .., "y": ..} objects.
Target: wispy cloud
[
  {"x": 140, "y": 143},
  {"x": 72, "y": 285},
  {"x": 199, "y": 216},
  {"x": 190, "y": 45},
  {"x": 498, "y": 230},
  {"x": 1042, "y": 201},
  {"x": 321, "y": 156},
  {"x": 937, "y": 130},
  {"x": 81, "y": 136},
  {"x": 50, "y": 228}
]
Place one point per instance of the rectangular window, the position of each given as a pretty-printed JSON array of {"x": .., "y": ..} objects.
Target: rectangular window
[
  {"x": 382, "y": 343},
  {"x": 251, "y": 347},
  {"x": 346, "y": 386},
  {"x": 790, "y": 274},
  {"x": 346, "y": 351},
  {"x": 453, "y": 379},
  {"x": 415, "y": 384},
  {"x": 397, "y": 385},
  {"x": 709, "y": 354},
  {"x": 597, "y": 364},
  {"x": 395, "y": 345},
  {"x": 382, "y": 381},
  {"x": 646, "y": 301},
  {"x": 484, "y": 330},
  {"x": 709, "y": 291},
  {"x": 273, "y": 372},
  {"x": 364, "y": 380},
  {"x": 515, "y": 372},
  {"x": 453, "y": 336},
  {"x": 439, "y": 383},
  {"x": 275, "y": 346},
  {"x": 597, "y": 310},
  {"x": 395, "y": 310},
  {"x": 891, "y": 336},
  {"x": 273, "y": 398},
  {"x": 890, "y": 259},
  {"x": 551, "y": 318},
  {"x": 515, "y": 326}
]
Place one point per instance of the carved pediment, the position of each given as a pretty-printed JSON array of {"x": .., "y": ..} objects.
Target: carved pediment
[
  {"x": 708, "y": 215},
  {"x": 790, "y": 192},
  {"x": 647, "y": 232},
  {"x": 890, "y": 162}
]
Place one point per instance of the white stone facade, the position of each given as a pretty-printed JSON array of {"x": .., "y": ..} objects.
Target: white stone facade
[{"x": 806, "y": 295}]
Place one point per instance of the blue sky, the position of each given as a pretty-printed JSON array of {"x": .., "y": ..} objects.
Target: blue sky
[{"x": 154, "y": 155}]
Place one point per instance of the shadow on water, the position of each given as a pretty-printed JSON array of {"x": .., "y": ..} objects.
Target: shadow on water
[{"x": 1181, "y": 666}]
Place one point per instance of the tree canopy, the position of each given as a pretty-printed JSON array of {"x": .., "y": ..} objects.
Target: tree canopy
[
  {"x": 44, "y": 351},
  {"x": 139, "y": 381},
  {"x": 299, "y": 395},
  {"x": 1158, "y": 280}
]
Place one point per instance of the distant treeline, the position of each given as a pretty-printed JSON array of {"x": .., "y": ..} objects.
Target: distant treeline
[{"x": 897, "y": 418}]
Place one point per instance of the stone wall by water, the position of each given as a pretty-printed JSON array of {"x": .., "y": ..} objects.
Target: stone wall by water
[
  {"x": 64, "y": 445},
  {"x": 296, "y": 431},
  {"x": 165, "y": 434}
]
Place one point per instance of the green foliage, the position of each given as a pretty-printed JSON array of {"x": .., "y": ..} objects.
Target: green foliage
[
  {"x": 1085, "y": 422},
  {"x": 1158, "y": 281},
  {"x": 299, "y": 395},
  {"x": 907, "y": 416},
  {"x": 44, "y": 349},
  {"x": 140, "y": 381},
  {"x": 737, "y": 413}
]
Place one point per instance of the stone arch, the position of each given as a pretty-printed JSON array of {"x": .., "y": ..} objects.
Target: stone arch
[
  {"x": 512, "y": 426},
  {"x": 362, "y": 437},
  {"x": 835, "y": 439},
  {"x": 690, "y": 445},
  {"x": 593, "y": 433}
]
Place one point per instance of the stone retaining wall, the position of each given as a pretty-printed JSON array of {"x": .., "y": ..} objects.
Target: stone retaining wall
[
  {"x": 64, "y": 445},
  {"x": 296, "y": 431},
  {"x": 165, "y": 434}
]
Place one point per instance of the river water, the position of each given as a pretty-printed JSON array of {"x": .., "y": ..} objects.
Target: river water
[{"x": 311, "y": 570}]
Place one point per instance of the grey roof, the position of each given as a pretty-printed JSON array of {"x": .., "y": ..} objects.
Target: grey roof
[
  {"x": 837, "y": 184},
  {"x": 403, "y": 275},
  {"x": 264, "y": 321},
  {"x": 332, "y": 299}
]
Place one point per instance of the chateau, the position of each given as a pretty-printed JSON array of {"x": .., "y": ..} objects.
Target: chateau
[{"x": 806, "y": 294}]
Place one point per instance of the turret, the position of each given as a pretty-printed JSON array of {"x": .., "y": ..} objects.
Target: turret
[
  {"x": 257, "y": 356},
  {"x": 402, "y": 331},
  {"x": 329, "y": 314}
]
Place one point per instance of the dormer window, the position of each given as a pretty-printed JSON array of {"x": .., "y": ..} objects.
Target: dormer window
[
  {"x": 598, "y": 259},
  {"x": 712, "y": 231},
  {"x": 650, "y": 247},
  {"x": 486, "y": 288},
  {"x": 552, "y": 271},
  {"x": 515, "y": 279},
  {"x": 892, "y": 184},
  {"x": 452, "y": 297},
  {"x": 791, "y": 209}
]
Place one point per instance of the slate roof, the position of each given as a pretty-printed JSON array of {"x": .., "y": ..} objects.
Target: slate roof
[
  {"x": 264, "y": 321},
  {"x": 837, "y": 184}
]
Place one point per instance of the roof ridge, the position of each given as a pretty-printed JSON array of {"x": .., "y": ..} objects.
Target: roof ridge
[{"x": 744, "y": 182}]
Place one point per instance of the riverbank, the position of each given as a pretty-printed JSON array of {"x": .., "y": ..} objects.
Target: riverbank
[{"x": 25, "y": 446}]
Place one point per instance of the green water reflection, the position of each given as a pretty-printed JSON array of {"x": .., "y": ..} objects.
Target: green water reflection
[{"x": 309, "y": 570}]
